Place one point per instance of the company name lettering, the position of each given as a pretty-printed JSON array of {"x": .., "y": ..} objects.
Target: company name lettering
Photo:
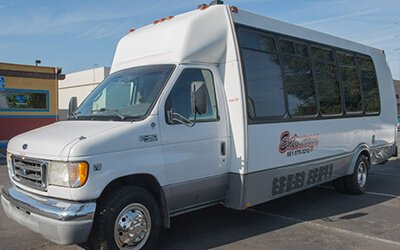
[{"x": 297, "y": 145}]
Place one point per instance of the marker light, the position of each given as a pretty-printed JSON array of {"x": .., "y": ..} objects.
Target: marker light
[
  {"x": 163, "y": 19},
  {"x": 203, "y": 7},
  {"x": 234, "y": 9}
]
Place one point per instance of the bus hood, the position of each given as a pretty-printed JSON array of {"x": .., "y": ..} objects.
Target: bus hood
[{"x": 54, "y": 142}]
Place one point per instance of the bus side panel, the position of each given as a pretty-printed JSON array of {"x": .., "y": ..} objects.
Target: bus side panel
[
  {"x": 282, "y": 144},
  {"x": 270, "y": 184}
]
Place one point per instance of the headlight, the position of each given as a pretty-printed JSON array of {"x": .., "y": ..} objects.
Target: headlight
[
  {"x": 9, "y": 165},
  {"x": 67, "y": 174}
]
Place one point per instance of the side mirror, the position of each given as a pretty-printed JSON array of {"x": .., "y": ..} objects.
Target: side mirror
[
  {"x": 73, "y": 105},
  {"x": 199, "y": 98}
]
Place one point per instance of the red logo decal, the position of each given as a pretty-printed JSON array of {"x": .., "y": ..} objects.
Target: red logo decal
[{"x": 288, "y": 144}]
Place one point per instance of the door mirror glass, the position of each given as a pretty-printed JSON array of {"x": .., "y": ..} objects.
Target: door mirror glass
[
  {"x": 199, "y": 98},
  {"x": 73, "y": 104}
]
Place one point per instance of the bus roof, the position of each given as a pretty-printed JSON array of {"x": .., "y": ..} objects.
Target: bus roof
[{"x": 206, "y": 35}]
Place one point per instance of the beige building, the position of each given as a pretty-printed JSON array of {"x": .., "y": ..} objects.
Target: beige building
[
  {"x": 78, "y": 84},
  {"x": 397, "y": 88}
]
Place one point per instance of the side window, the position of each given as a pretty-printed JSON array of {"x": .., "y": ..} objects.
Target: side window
[
  {"x": 351, "y": 83},
  {"x": 24, "y": 100},
  {"x": 179, "y": 98},
  {"x": 298, "y": 78},
  {"x": 370, "y": 85},
  {"x": 264, "y": 86},
  {"x": 289, "y": 78},
  {"x": 326, "y": 76},
  {"x": 256, "y": 40}
]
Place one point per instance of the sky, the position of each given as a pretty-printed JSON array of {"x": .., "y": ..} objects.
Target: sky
[{"x": 81, "y": 34}]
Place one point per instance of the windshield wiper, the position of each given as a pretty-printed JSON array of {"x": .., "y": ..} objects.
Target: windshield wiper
[{"x": 114, "y": 112}]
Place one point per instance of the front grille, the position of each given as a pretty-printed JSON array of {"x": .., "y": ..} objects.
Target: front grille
[{"x": 30, "y": 172}]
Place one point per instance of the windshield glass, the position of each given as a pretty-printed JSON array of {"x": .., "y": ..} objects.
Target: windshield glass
[{"x": 126, "y": 94}]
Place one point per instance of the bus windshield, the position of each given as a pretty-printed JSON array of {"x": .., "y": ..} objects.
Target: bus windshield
[{"x": 125, "y": 95}]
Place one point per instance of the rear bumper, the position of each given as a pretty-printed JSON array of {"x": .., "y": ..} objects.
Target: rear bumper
[{"x": 62, "y": 222}]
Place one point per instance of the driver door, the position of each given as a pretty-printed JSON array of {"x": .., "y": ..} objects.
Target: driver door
[{"x": 195, "y": 156}]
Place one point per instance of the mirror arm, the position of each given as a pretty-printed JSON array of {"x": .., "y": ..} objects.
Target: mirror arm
[{"x": 182, "y": 120}]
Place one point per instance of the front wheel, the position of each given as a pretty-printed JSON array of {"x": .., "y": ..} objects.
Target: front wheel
[{"x": 129, "y": 218}]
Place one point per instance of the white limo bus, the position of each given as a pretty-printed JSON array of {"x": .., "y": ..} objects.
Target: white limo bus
[{"x": 214, "y": 106}]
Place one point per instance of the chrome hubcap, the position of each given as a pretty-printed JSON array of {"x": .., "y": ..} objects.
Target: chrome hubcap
[
  {"x": 132, "y": 227},
  {"x": 362, "y": 174}
]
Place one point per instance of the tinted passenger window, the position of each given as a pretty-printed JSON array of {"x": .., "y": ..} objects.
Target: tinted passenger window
[
  {"x": 179, "y": 99},
  {"x": 262, "y": 72},
  {"x": 370, "y": 85},
  {"x": 301, "y": 49},
  {"x": 322, "y": 54},
  {"x": 300, "y": 86},
  {"x": 329, "y": 89},
  {"x": 328, "y": 81},
  {"x": 263, "y": 84},
  {"x": 346, "y": 59},
  {"x": 254, "y": 40},
  {"x": 352, "y": 91},
  {"x": 365, "y": 63},
  {"x": 286, "y": 79},
  {"x": 286, "y": 46},
  {"x": 351, "y": 82}
]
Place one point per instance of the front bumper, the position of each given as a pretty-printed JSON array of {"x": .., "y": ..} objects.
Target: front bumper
[{"x": 63, "y": 222}]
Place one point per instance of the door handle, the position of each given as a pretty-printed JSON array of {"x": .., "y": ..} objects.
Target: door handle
[{"x": 223, "y": 148}]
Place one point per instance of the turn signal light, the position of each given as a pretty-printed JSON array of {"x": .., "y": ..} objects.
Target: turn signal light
[{"x": 234, "y": 9}]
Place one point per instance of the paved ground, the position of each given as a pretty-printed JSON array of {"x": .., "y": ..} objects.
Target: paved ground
[{"x": 319, "y": 218}]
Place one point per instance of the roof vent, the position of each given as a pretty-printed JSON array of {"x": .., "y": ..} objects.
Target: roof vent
[{"x": 215, "y": 2}]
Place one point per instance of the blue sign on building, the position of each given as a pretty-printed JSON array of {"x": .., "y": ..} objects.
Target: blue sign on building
[{"x": 2, "y": 87}]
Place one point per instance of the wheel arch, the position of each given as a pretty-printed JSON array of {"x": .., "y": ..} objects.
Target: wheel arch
[
  {"x": 362, "y": 149},
  {"x": 146, "y": 181}
]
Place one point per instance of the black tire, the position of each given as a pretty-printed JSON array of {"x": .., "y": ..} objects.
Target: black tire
[
  {"x": 109, "y": 208},
  {"x": 354, "y": 184}
]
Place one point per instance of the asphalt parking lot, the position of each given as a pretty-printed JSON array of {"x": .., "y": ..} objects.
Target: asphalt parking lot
[{"x": 319, "y": 218}]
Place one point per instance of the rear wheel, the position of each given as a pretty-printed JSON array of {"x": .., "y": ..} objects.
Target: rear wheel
[
  {"x": 129, "y": 218},
  {"x": 356, "y": 182}
]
